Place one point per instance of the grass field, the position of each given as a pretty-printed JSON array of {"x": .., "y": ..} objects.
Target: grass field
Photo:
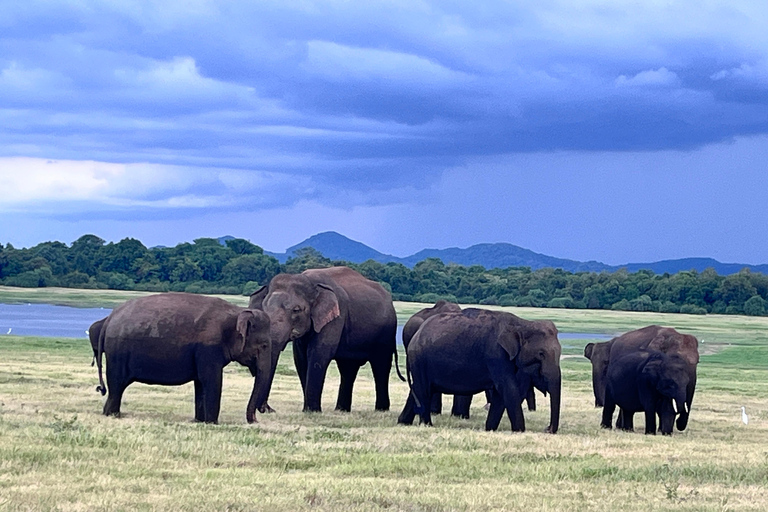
[{"x": 57, "y": 452}]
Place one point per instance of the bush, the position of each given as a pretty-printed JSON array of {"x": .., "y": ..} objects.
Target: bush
[
  {"x": 692, "y": 309},
  {"x": 622, "y": 305},
  {"x": 490, "y": 301},
  {"x": 250, "y": 287},
  {"x": 754, "y": 306},
  {"x": 431, "y": 298},
  {"x": 508, "y": 299},
  {"x": 669, "y": 307},
  {"x": 560, "y": 302}
]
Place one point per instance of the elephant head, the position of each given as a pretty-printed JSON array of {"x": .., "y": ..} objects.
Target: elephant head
[
  {"x": 251, "y": 346},
  {"x": 538, "y": 361},
  {"x": 668, "y": 375},
  {"x": 599, "y": 355},
  {"x": 295, "y": 307}
]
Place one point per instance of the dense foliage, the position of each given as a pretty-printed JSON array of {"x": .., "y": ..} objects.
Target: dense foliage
[{"x": 206, "y": 266}]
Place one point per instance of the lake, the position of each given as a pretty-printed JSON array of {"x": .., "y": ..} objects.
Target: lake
[{"x": 68, "y": 322}]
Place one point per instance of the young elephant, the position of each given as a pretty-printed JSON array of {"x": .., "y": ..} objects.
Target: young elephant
[
  {"x": 174, "y": 338},
  {"x": 647, "y": 381},
  {"x": 94, "y": 332},
  {"x": 468, "y": 352}
]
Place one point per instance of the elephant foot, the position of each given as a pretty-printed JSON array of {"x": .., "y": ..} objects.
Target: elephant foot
[
  {"x": 266, "y": 409},
  {"x": 549, "y": 430}
]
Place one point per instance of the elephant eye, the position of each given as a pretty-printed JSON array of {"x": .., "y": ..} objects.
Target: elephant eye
[{"x": 297, "y": 309}]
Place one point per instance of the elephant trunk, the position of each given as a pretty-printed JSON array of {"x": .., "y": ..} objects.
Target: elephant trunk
[
  {"x": 555, "y": 387},
  {"x": 682, "y": 420},
  {"x": 262, "y": 382}
]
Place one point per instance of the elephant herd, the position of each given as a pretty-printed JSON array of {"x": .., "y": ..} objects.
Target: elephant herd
[{"x": 336, "y": 314}]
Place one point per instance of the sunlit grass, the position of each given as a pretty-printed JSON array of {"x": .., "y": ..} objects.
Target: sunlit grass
[{"x": 57, "y": 452}]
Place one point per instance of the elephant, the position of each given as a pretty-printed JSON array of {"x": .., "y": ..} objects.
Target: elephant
[
  {"x": 461, "y": 403},
  {"x": 331, "y": 314},
  {"x": 93, "y": 335},
  {"x": 174, "y": 338},
  {"x": 652, "y": 337},
  {"x": 647, "y": 381},
  {"x": 467, "y": 352}
]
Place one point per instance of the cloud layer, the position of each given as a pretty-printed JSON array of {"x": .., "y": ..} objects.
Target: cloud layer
[{"x": 148, "y": 106}]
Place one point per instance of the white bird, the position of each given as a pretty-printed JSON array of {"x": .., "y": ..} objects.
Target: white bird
[
  {"x": 9, "y": 330},
  {"x": 744, "y": 417}
]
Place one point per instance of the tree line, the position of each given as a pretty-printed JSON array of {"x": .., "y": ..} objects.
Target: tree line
[{"x": 240, "y": 267}]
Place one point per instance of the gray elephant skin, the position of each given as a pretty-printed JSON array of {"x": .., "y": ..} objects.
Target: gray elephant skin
[
  {"x": 94, "y": 331},
  {"x": 646, "y": 381},
  {"x": 468, "y": 352},
  {"x": 175, "y": 338},
  {"x": 654, "y": 338},
  {"x": 331, "y": 314}
]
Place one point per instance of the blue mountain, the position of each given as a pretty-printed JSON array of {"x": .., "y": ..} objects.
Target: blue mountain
[{"x": 499, "y": 255}]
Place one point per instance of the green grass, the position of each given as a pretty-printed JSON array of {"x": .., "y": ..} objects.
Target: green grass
[{"x": 57, "y": 452}]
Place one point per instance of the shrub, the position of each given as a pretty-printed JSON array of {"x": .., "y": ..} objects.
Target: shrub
[
  {"x": 692, "y": 309},
  {"x": 754, "y": 306}
]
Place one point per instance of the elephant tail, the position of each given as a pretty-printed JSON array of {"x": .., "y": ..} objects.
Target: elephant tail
[
  {"x": 397, "y": 367},
  {"x": 101, "y": 388}
]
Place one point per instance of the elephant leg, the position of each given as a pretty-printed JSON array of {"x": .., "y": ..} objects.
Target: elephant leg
[
  {"x": 513, "y": 403},
  {"x": 495, "y": 411},
  {"x": 421, "y": 391},
  {"x": 625, "y": 420},
  {"x": 117, "y": 381},
  {"x": 300, "y": 361},
  {"x": 199, "y": 401},
  {"x": 381, "y": 367},
  {"x": 461, "y": 405},
  {"x": 348, "y": 370},
  {"x": 317, "y": 368},
  {"x": 650, "y": 421},
  {"x": 437, "y": 403},
  {"x": 682, "y": 420},
  {"x": 609, "y": 406},
  {"x": 409, "y": 411},
  {"x": 211, "y": 380}
]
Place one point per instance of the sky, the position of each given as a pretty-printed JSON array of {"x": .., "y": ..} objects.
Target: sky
[{"x": 592, "y": 130}]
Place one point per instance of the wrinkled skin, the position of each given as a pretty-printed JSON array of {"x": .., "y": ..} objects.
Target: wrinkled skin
[
  {"x": 175, "y": 338},
  {"x": 474, "y": 350},
  {"x": 461, "y": 403},
  {"x": 647, "y": 381},
  {"x": 653, "y": 337},
  {"x": 331, "y": 314}
]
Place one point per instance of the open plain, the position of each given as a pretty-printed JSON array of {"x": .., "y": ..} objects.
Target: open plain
[{"x": 57, "y": 452}]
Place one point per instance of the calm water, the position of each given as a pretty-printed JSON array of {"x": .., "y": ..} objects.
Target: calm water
[
  {"x": 48, "y": 320},
  {"x": 67, "y": 322}
]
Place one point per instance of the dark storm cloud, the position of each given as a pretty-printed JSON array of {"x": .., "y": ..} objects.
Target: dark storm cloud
[{"x": 360, "y": 98}]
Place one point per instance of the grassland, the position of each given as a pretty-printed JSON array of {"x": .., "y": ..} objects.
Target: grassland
[{"x": 57, "y": 452}]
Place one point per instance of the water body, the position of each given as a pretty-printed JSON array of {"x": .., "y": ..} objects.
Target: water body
[
  {"x": 68, "y": 322},
  {"x": 48, "y": 320}
]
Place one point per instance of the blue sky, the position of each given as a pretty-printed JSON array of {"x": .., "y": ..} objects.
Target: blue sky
[{"x": 613, "y": 131}]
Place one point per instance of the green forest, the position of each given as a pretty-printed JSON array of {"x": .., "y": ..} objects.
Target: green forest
[{"x": 240, "y": 267}]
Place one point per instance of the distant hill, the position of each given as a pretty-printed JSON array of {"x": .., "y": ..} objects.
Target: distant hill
[{"x": 499, "y": 255}]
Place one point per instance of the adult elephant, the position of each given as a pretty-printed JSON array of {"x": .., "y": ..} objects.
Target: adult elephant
[
  {"x": 461, "y": 403},
  {"x": 653, "y": 338},
  {"x": 409, "y": 330},
  {"x": 175, "y": 338},
  {"x": 331, "y": 314},
  {"x": 474, "y": 350},
  {"x": 94, "y": 331},
  {"x": 647, "y": 381}
]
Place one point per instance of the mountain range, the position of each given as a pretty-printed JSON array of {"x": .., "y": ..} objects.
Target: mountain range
[{"x": 497, "y": 255}]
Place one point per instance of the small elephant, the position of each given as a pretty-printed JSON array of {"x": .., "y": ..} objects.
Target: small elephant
[
  {"x": 467, "y": 352},
  {"x": 174, "y": 338},
  {"x": 647, "y": 381},
  {"x": 94, "y": 331},
  {"x": 331, "y": 314},
  {"x": 652, "y": 337}
]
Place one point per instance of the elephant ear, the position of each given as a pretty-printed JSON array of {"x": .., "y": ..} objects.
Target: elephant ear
[
  {"x": 257, "y": 298},
  {"x": 237, "y": 345},
  {"x": 652, "y": 368},
  {"x": 510, "y": 340},
  {"x": 325, "y": 308},
  {"x": 588, "y": 350}
]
